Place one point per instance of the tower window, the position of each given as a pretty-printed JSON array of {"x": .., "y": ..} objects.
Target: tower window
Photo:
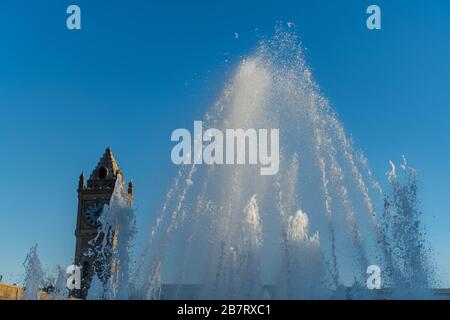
[{"x": 103, "y": 173}]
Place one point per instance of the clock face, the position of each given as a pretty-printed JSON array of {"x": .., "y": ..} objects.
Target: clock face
[{"x": 93, "y": 212}]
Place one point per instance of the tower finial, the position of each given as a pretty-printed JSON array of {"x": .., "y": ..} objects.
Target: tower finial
[{"x": 81, "y": 182}]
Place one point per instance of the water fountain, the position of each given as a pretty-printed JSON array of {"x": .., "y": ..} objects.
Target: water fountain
[
  {"x": 34, "y": 275},
  {"x": 61, "y": 290},
  {"x": 309, "y": 232},
  {"x": 112, "y": 246}
]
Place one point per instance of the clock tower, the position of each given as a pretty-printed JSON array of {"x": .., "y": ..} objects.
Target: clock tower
[{"x": 92, "y": 197}]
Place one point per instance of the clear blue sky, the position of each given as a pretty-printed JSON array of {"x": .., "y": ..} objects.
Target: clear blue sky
[{"x": 138, "y": 70}]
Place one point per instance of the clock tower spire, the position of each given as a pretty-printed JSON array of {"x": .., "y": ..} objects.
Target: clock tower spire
[{"x": 92, "y": 197}]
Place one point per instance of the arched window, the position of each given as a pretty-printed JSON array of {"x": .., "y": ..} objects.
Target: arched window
[{"x": 102, "y": 173}]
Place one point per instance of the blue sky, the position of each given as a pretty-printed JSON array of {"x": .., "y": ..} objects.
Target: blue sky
[{"x": 137, "y": 71}]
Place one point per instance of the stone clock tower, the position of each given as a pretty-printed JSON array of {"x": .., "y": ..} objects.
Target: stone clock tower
[{"x": 92, "y": 197}]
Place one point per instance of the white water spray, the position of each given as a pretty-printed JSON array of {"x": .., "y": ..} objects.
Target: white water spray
[
  {"x": 112, "y": 247},
  {"x": 34, "y": 275},
  {"x": 235, "y": 234}
]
